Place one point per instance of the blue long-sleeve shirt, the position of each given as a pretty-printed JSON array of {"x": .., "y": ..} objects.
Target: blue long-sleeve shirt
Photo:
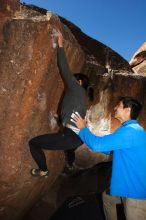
[{"x": 128, "y": 144}]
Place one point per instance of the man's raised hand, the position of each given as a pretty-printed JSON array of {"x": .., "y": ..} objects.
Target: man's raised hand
[{"x": 78, "y": 120}]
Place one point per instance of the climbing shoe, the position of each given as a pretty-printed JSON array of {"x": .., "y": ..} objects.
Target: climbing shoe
[{"x": 39, "y": 173}]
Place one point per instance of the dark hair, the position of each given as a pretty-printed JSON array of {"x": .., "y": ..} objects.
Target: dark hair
[
  {"x": 133, "y": 104},
  {"x": 85, "y": 84}
]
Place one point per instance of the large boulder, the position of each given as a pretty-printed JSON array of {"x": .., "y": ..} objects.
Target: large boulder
[{"x": 31, "y": 89}]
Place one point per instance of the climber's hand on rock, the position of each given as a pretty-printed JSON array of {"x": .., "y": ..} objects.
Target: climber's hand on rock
[{"x": 60, "y": 39}]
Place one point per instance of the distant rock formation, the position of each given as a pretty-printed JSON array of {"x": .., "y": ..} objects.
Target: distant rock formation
[
  {"x": 138, "y": 61},
  {"x": 30, "y": 91}
]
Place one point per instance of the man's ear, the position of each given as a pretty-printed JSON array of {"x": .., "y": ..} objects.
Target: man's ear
[{"x": 128, "y": 110}]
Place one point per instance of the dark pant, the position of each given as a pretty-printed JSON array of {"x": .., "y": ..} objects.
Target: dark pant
[{"x": 65, "y": 140}]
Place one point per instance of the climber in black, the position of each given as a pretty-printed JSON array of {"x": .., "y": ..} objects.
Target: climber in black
[{"x": 74, "y": 100}]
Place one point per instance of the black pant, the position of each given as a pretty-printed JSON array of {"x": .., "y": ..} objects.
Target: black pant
[{"x": 65, "y": 140}]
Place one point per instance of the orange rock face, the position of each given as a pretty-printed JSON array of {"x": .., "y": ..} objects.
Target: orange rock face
[{"x": 31, "y": 88}]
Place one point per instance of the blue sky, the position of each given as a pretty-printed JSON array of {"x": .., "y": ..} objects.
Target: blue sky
[{"x": 120, "y": 24}]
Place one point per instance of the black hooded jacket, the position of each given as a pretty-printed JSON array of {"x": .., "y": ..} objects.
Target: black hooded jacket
[{"x": 74, "y": 99}]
